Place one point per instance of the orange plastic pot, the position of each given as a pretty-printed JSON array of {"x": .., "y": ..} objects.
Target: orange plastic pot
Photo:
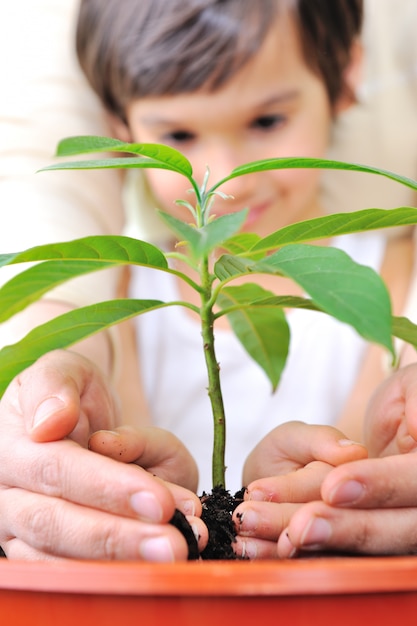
[{"x": 325, "y": 591}]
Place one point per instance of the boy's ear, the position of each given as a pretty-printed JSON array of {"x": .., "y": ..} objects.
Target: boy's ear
[
  {"x": 118, "y": 129},
  {"x": 351, "y": 79}
]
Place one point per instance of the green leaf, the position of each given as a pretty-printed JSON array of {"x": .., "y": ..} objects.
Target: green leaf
[
  {"x": 287, "y": 302},
  {"x": 64, "y": 331},
  {"x": 96, "y": 248},
  {"x": 240, "y": 243},
  {"x": 84, "y": 144},
  {"x": 229, "y": 266},
  {"x": 111, "y": 163},
  {"x": 262, "y": 330},
  {"x": 205, "y": 239},
  {"x": 350, "y": 292},
  {"x": 311, "y": 163},
  {"x": 32, "y": 284},
  {"x": 219, "y": 230},
  {"x": 185, "y": 232},
  {"x": 337, "y": 224},
  {"x": 405, "y": 330},
  {"x": 68, "y": 260},
  {"x": 71, "y": 146}
]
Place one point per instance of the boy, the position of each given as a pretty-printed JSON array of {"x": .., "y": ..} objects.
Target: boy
[{"x": 266, "y": 83}]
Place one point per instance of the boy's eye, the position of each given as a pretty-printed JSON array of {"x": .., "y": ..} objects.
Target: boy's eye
[
  {"x": 267, "y": 122},
  {"x": 179, "y": 136}
]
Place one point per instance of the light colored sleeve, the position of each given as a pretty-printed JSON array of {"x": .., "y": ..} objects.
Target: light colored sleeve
[
  {"x": 381, "y": 130},
  {"x": 44, "y": 98}
]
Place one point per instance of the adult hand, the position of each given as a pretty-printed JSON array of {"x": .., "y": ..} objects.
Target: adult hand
[
  {"x": 369, "y": 506},
  {"x": 57, "y": 498},
  {"x": 292, "y": 461}
]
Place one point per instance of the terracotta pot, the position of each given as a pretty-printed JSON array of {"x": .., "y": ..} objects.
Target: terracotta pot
[{"x": 323, "y": 591}]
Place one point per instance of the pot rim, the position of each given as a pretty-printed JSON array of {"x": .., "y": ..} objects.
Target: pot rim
[{"x": 309, "y": 576}]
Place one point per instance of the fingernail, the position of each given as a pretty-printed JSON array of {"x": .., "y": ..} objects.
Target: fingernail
[
  {"x": 285, "y": 545},
  {"x": 47, "y": 408},
  {"x": 349, "y": 442},
  {"x": 194, "y": 528},
  {"x": 146, "y": 505},
  {"x": 188, "y": 507},
  {"x": 248, "y": 520},
  {"x": 156, "y": 549},
  {"x": 316, "y": 534},
  {"x": 257, "y": 495},
  {"x": 249, "y": 550},
  {"x": 347, "y": 493}
]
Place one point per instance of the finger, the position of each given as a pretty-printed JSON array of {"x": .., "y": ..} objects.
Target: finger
[
  {"x": 295, "y": 444},
  {"x": 386, "y": 482},
  {"x": 56, "y": 391},
  {"x": 64, "y": 470},
  {"x": 318, "y": 527},
  {"x": 160, "y": 453},
  {"x": 302, "y": 485},
  {"x": 200, "y": 531},
  {"x": 15, "y": 549},
  {"x": 42, "y": 522},
  {"x": 410, "y": 392},
  {"x": 391, "y": 419},
  {"x": 185, "y": 500},
  {"x": 263, "y": 520},
  {"x": 255, "y": 548},
  {"x": 154, "y": 449}
]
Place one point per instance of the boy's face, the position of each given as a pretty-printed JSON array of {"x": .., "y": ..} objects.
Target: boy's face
[{"x": 274, "y": 107}]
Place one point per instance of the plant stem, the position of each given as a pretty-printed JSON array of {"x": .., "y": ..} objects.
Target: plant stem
[{"x": 213, "y": 372}]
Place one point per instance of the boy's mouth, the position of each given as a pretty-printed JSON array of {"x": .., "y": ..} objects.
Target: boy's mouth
[{"x": 255, "y": 213}]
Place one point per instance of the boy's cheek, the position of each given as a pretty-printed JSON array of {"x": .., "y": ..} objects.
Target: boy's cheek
[{"x": 167, "y": 187}]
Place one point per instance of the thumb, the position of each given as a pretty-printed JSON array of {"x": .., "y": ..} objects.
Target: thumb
[
  {"x": 54, "y": 418},
  {"x": 156, "y": 450},
  {"x": 51, "y": 393},
  {"x": 294, "y": 445}
]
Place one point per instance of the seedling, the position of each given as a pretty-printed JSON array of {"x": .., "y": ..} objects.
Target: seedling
[{"x": 333, "y": 282}]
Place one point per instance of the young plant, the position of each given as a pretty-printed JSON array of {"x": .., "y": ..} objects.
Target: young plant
[{"x": 335, "y": 284}]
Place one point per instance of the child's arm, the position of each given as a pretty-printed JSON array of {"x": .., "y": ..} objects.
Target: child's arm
[{"x": 59, "y": 499}]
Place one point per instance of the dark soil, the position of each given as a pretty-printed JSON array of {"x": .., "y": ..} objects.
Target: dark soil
[
  {"x": 180, "y": 521},
  {"x": 218, "y": 507}
]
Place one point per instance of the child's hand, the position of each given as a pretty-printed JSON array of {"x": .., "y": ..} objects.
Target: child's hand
[
  {"x": 164, "y": 456},
  {"x": 57, "y": 498},
  {"x": 369, "y": 506},
  {"x": 156, "y": 450},
  {"x": 294, "y": 459}
]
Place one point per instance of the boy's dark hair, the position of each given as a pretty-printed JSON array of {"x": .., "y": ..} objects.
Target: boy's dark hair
[{"x": 136, "y": 48}]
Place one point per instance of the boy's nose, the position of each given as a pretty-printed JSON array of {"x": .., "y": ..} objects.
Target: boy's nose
[{"x": 221, "y": 165}]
